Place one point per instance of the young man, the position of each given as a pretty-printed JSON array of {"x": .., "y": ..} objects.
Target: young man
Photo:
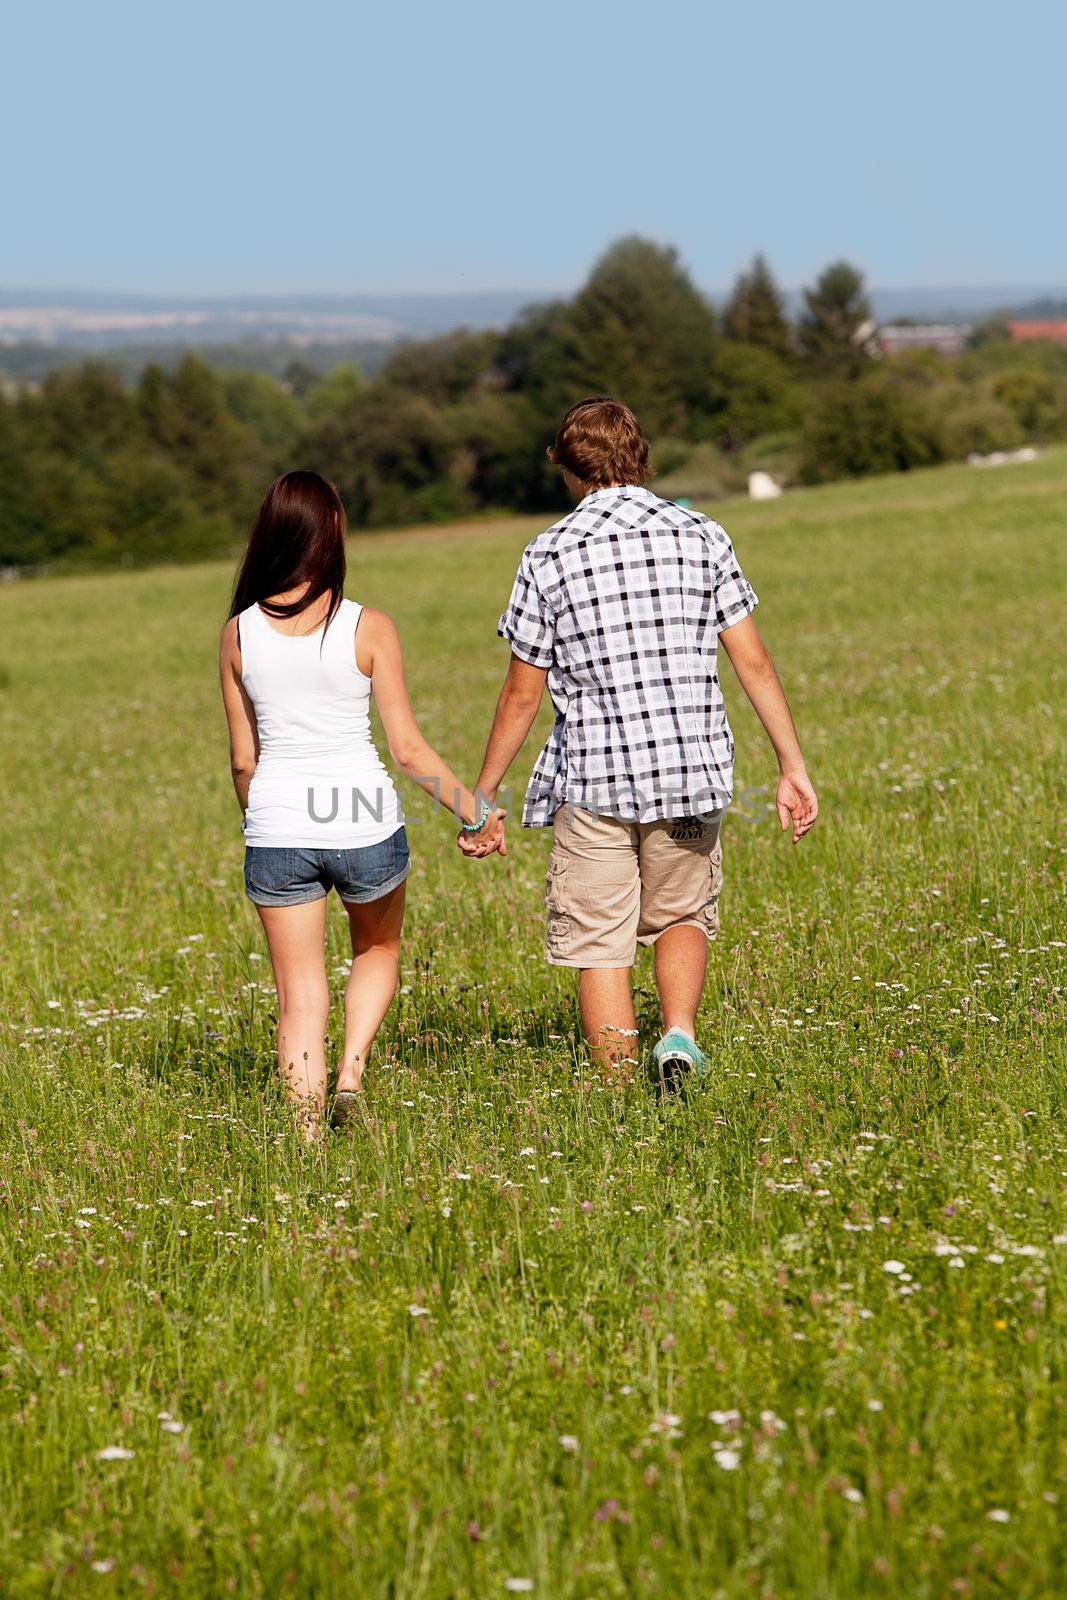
[{"x": 621, "y": 605}]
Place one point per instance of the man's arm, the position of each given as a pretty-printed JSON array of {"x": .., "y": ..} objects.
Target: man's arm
[
  {"x": 516, "y": 708},
  {"x": 795, "y": 797}
]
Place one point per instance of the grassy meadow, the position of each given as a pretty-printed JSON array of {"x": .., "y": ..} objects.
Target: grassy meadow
[{"x": 801, "y": 1333}]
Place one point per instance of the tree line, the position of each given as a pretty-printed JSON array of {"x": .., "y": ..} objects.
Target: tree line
[{"x": 96, "y": 469}]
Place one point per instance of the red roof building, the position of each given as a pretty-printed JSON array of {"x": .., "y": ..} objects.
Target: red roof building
[{"x": 1056, "y": 331}]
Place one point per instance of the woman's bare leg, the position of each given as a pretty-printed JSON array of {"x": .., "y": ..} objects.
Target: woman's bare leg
[
  {"x": 376, "y": 928},
  {"x": 296, "y": 935}
]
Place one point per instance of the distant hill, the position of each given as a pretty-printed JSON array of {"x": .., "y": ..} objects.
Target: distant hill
[
  {"x": 958, "y": 305},
  {"x": 43, "y": 329},
  {"x": 29, "y": 363},
  {"x": 98, "y": 320},
  {"x": 1042, "y": 310}
]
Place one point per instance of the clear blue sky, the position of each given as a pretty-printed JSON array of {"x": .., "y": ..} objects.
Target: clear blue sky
[{"x": 346, "y": 146}]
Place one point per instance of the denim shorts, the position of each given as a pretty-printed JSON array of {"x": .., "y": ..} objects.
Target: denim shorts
[{"x": 277, "y": 876}]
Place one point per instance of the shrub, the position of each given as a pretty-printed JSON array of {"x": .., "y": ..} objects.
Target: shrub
[
  {"x": 1037, "y": 401},
  {"x": 975, "y": 420},
  {"x": 879, "y": 424}
]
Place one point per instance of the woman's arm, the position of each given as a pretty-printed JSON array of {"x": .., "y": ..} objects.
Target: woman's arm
[
  {"x": 380, "y": 658},
  {"x": 749, "y": 657},
  {"x": 240, "y": 717}
]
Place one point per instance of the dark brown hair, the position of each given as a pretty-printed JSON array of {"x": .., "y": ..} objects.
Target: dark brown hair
[
  {"x": 600, "y": 441},
  {"x": 298, "y": 538}
]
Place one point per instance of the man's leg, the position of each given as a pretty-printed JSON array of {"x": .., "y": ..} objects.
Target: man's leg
[
  {"x": 593, "y": 899},
  {"x": 681, "y": 876},
  {"x": 607, "y": 1011},
  {"x": 681, "y": 967}
]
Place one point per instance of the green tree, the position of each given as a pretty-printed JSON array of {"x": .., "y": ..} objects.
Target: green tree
[
  {"x": 271, "y": 419},
  {"x": 336, "y": 391},
  {"x": 755, "y": 311},
  {"x": 390, "y": 455},
  {"x": 836, "y": 309},
  {"x": 880, "y": 424},
  {"x": 641, "y": 331},
  {"x": 152, "y": 516},
  {"x": 71, "y": 502},
  {"x": 534, "y": 363},
  {"x": 298, "y": 377},
  {"x": 446, "y": 369},
  {"x": 186, "y": 418},
  {"x": 23, "y": 531},
  {"x": 83, "y": 413},
  {"x": 760, "y": 394},
  {"x": 991, "y": 330},
  {"x": 499, "y": 449}
]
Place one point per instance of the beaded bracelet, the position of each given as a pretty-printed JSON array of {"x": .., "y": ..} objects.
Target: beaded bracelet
[{"x": 476, "y": 827}]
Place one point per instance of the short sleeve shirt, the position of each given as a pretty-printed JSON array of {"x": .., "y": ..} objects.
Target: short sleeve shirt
[{"x": 622, "y": 603}]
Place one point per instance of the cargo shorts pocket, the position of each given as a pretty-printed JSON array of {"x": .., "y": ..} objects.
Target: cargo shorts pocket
[
  {"x": 559, "y": 922},
  {"x": 711, "y": 909}
]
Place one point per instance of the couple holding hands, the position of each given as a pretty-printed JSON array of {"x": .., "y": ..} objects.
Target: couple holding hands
[{"x": 620, "y": 606}]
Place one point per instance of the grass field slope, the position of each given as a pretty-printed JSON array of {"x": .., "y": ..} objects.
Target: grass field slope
[{"x": 800, "y": 1334}]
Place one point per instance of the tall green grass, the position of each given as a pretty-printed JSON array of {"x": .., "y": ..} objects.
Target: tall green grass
[{"x": 799, "y": 1334}]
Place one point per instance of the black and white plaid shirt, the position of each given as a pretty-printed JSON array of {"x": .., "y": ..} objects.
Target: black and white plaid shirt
[{"x": 623, "y": 601}]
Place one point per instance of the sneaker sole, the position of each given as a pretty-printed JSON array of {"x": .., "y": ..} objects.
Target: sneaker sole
[{"x": 672, "y": 1072}]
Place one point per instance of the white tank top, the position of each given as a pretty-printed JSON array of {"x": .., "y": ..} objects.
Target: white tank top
[{"x": 319, "y": 782}]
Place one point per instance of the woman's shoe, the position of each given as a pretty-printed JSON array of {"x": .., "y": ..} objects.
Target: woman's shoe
[{"x": 344, "y": 1108}]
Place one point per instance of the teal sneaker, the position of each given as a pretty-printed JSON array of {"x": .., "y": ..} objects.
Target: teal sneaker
[{"x": 676, "y": 1056}]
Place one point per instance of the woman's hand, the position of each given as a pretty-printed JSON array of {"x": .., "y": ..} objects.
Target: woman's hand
[{"x": 488, "y": 840}]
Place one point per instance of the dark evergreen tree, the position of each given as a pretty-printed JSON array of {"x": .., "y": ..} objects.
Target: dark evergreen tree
[
  {"x": 755, "y": 312},
  {"x": 836, "y": 309},
  {"x": 640, "y": 330}
]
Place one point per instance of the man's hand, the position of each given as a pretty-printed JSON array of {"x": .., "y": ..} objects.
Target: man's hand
[
  {"x": 797, "y": 803},
  {"x": 488, "y": 840}
]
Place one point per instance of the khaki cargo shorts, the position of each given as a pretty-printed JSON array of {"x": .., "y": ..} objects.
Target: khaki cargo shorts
[{"x": 615, "y": 884}]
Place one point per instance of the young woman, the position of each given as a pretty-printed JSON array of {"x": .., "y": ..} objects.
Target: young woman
[{"x": 299, "y": 664}]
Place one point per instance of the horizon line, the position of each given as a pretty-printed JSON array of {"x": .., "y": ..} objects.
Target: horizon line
[{"x": 873, "y": 286}]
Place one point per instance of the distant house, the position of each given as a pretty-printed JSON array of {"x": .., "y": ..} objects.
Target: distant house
[
  {"x": 1056, "y": 331},
  {"x": 948, "y": 338}
]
